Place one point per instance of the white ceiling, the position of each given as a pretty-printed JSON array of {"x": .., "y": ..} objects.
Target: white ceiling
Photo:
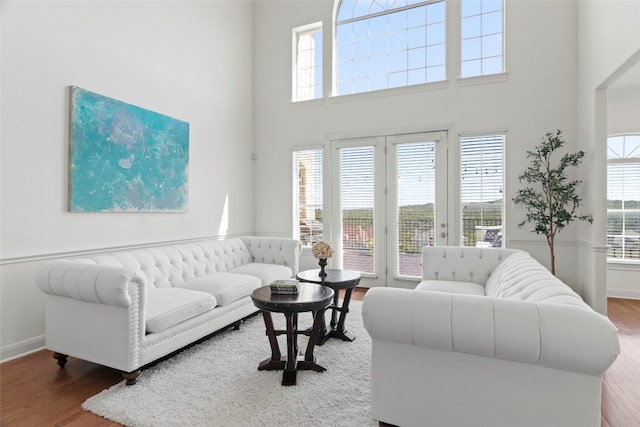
[
  {"x": 627, "y": 87},
  {"x": 629, "y": 79}
]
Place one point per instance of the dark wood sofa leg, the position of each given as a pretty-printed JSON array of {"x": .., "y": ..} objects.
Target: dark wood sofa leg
[
  {"x": 62, "y": 359},
  {"x": 131, "y": 377}
]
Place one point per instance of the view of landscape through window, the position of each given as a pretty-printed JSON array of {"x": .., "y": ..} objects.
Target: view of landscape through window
[
  {"x": 481, "y": 190},
  {"x": 357, "y": 202},
  {"x": 623, "y": 197},
  {"x": 416, "y": 199},
  {"x": 481, "y": 200},
  {"x": 481, "y": 197},
  {"x": 307, "y": 166}
]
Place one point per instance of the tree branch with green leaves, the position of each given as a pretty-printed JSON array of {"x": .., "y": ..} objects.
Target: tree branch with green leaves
[{"x": 551, "y": 198}]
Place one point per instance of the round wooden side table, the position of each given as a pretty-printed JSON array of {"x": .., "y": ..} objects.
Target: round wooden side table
[
  {"x": 336, "y": 279},
  {"x": 310, "y": 297}
]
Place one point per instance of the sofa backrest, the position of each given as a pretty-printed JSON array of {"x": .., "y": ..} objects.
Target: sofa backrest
[
  {"x": 174, "y": 264},
  {"x": 521, "y": 277},
  {"x": 461, "y": 263},
  {"x": 268, "y": 250}
]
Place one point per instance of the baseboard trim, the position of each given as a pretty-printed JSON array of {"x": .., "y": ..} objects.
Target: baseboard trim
[
  {"x": 623, "y": 293},
  {"x": 22, "y": 348}
]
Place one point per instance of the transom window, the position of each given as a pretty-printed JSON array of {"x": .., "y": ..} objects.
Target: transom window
[
  {"x": 481, "y": 38},
  {"x": 384, "y": 44},
  {"x": 623, "y": 197},
  {"x": 307, "y": 62}
]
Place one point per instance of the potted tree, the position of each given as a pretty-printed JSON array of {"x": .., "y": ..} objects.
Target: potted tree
[{"x": 550, "y": 198}]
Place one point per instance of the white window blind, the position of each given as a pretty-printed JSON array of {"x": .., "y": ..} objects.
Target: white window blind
[
  {"x": 307, "y": 212},
  {"x": 416, "y": 173},
  {"x": 416, "y": 193},
  {"x": 481, "y": 190},
  {"x": 357, "y": 196}
]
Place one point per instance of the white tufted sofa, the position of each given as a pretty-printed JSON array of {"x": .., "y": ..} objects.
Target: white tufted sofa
[
  {"x": 489, "y": 338},
  {"x": 128, "y": 309}
]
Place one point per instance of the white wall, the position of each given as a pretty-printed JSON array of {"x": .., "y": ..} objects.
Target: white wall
[
  {"x": 537, "y": 96},
  {"x": 189, "y": 60},
  {"x": 623, "y": 113},
  {"x": 608, "y": 36}
]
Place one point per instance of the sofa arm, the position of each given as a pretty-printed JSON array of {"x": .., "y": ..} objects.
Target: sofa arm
[
  {"x": 556, "y": 336},
  {"x": 271, "y": 250},
  {"x": 94, "y": 283}
]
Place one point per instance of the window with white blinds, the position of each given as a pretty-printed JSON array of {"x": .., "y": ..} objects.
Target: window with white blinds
[
  {"x": 481, "y": 190},
  {"x": 307, "y": 211},
  {"x": 357, "y": 207},
  {"x": 415, "y": 206},
  {"x": 623, "y": 197}
]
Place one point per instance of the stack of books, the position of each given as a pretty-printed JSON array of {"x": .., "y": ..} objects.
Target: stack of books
[{"x": 284, "y": 287}]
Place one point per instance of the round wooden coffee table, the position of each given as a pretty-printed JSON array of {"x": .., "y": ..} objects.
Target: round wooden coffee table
[
  {"x": 310, "y": 297},
  {"x": 336, "y": 279}
]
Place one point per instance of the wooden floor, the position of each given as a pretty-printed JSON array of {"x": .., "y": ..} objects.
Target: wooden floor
[
  {"x": 621, "y": 386},
  {"x": 35, "y": 392}
]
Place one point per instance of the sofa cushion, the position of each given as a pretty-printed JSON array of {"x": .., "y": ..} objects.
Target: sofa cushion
[
  {"x": 451, "y": 287},
  {"x": 266, "y": 272},
  {"x": 225, "y": 287},
  {"x": 169, "y": 306}
]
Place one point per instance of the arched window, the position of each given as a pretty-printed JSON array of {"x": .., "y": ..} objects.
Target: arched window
[{"x": 383, "y": 44}]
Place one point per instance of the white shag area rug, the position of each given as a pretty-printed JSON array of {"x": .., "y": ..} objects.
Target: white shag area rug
[{"x": 217, "y": 383}]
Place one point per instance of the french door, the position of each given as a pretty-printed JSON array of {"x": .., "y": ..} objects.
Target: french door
[{"x": 389, "y": 201}]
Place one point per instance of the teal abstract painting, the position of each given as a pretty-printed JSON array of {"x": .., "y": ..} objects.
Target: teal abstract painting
[{"x": 125, "y": 158}]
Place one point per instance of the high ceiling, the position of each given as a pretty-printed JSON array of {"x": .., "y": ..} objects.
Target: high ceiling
[
  {"x": 630, "y": 79},
  {"x": 627, "y": 87}
]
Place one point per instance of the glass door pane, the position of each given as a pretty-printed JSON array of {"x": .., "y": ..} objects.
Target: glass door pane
[
  {"x": 417, "y": 203},
  {"x": 415, "y": 215},
  {"x": 358, "y": 208},
  {"x": 391, "y": 201}
]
